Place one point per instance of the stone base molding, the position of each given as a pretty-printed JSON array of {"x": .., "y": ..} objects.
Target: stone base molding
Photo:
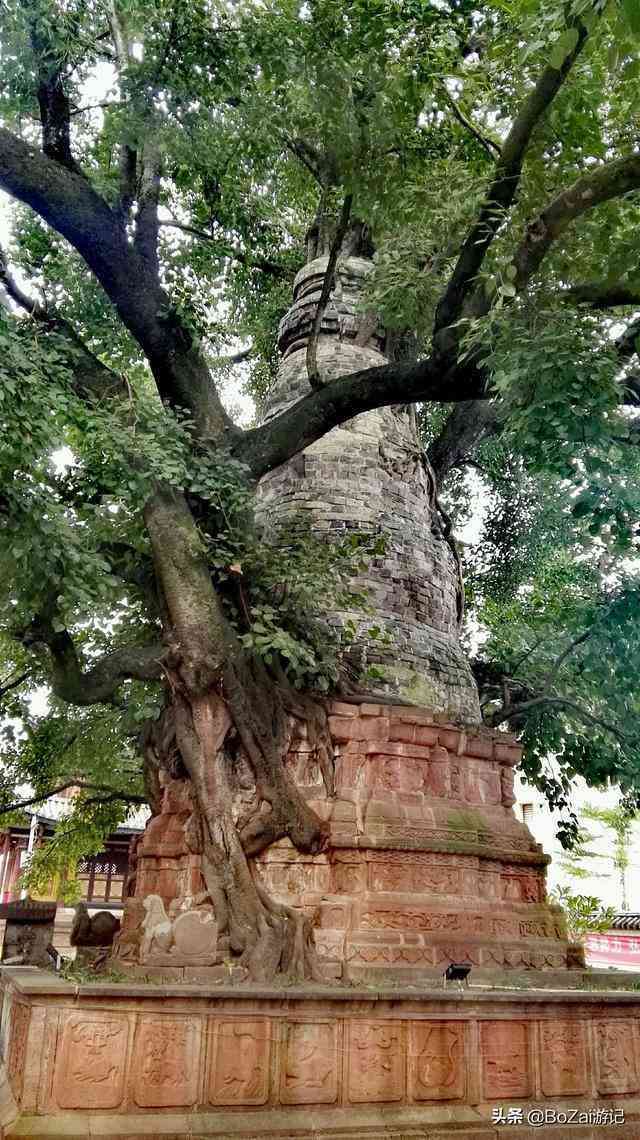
[
  {"x": 426, "y": 863},
  {"x": 135, "y": 1061}
]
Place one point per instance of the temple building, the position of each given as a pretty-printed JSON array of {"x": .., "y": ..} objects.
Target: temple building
[{"x": 101, "y": 876}]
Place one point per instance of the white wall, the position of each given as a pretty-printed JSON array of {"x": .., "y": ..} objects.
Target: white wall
[{"x": 603, "y": 881}]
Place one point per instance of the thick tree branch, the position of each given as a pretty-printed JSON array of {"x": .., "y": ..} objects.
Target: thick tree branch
[
  {"x": 574, "y": 644},
  {"x": 611, "y": 180},
  {"x": 109, "y": 796},
  {"x": 100, "y": 683},
  {"x": 470, "y": 422},
  {"x": 25, "y": 301},
  {"x": 128, "y": 173},
  {"x": 146, "y": 235},
  {"x": 514, "y": 711},
  {"x": 67, "y": 202},
  {"x": 120, "y": 37},
  {"x": 308, "y": 156},
  {"x": 502, "y": 191},
  {"x": 90, "y": 377},
  {"x": 55, "y": 111},
  {"x": 264, "y": 264},
  {"x": 235, "y": 357},
  {"x": 626, "y": 343},
  {"x": 277, "y": 440},
  {"x": 11, "y": 683},
  {"x": 327, "y": 285},
  {"x": 128, "y": 158},
  {"x": 602, "y": 294}
]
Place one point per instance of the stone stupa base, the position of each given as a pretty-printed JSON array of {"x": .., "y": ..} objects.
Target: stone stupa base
[
  {"x": 180, "y": 1061},
  {"x": 426, "y": 861}
]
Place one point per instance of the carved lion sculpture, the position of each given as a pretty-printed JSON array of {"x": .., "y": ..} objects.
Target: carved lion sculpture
[
  {"x": 157, "y": 928},
  {"x": 186, "y": 935}
]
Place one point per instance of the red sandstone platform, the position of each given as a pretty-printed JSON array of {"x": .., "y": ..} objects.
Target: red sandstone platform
[
  {"x": 426, "y": 863},
  {"x": 135, "y": 1061}
]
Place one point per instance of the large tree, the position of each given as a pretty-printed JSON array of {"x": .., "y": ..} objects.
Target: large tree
[{"x": 167, "y": 163}]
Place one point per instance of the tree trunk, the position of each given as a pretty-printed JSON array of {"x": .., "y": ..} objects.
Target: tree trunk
[{"x": 227, "y": 720}]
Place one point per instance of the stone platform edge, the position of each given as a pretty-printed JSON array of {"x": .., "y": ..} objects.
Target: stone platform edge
[
  {"x": 111, "y": 1059},
  {"x": 560, "y": 985}
]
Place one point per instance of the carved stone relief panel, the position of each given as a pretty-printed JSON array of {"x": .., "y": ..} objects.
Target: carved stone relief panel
[
  {"x": 505, "y": 1059},
  {"x": 349, "y": 878},
  {"x": 376, "y": 1061},
  {"x": 309, "y": 1073},
  {"x": 18, "y": 1034},
  {"x": 616, "y": 1056},
  {"x": 481, "y": 783},
  {"x": 91, "y": 1061},
  {"x": 240, "y": 1062},
  {"x": 415, "y": 878},
  {"x": 400, "y": 774},
  {"x": 437, "y": 1061},
  {"x": 563, "y": 1058},
  {"x": 166, "y": 1062}
]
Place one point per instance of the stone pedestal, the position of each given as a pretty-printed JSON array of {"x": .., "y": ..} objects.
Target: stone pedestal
[
  {"x": 28, "y": 931},
  {"x": 427, "y": 863},
  {"x": 134, "y": 1061}
]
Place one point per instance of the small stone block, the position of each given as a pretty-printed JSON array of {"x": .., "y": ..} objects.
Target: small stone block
[
  {"x": 402, "y": 732},
  {"x": 450, "y": 739},
  {"x": 427, "y": 735},
  {"x": 480, "y": 747},
  {"x": 357, "y": 728},
  {"x": 341, "y": 708},
  {"x": 391, "y": 748},
  {"x": 507, "y": 753}
]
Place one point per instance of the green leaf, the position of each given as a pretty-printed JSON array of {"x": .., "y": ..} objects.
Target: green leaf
[
  {"x": 631, "y": 9},
  {"x": 563, "y": 47}
]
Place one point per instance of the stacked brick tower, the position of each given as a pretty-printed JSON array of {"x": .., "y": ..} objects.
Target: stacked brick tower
[
  {"x": 427, "y": 863},
  {"x": 371, "y": 474}
]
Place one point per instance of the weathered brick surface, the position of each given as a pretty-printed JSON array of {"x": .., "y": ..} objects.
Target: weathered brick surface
[{"x": 370, "y": 474}]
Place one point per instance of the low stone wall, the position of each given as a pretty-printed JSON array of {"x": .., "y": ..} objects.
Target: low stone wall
[{"x": 183, "y": 1061}]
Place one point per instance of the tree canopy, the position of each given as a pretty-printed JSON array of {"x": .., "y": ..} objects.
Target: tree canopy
[{"x": 167, "y": 164}]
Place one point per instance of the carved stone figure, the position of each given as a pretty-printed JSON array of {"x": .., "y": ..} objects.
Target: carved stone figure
[
  {"x": 93, "y": 930},
  {"x": 506, "y": 785},
  {"x": 156, "y": 927},
  {"x": 187, "y": 936},
  {"x": 28, "y": 932},
  {"x": 93, "y": 936}
]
